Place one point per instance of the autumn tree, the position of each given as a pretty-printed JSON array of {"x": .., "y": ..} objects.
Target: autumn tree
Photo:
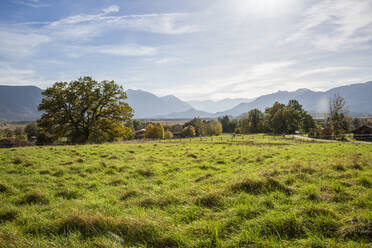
[
  {"x": 154, "y": 131},
  {"x": 197, "y": 123},
  {"x": 211, "y": 128},
  {"x": 85, "y": 110},
  {"x": 168, "y": 134},
  {"x": 188, "y": 131}
]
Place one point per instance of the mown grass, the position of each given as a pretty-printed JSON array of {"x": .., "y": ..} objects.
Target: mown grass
[{"x": 245, "y": 192}]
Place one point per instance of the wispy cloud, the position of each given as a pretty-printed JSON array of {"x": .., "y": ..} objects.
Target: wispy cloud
[
  {"x": 117, "y": 50},
  {"x": 15, "y": 76},
  {"x": 86, "y": 26},
  {"x": 20, "y": 43},
  {"x": 336, "y": 25},
  {"x": 330, "y": 69},
  {"x": 32, "y": 3}
]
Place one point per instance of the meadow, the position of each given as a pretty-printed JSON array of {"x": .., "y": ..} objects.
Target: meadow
[{"x": 251, "y": 191}]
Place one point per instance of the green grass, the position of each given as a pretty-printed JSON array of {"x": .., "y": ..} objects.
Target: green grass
[{"x": 255, "y": 191}]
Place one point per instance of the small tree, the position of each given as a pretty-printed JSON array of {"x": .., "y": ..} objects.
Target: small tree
[
  {"x": 212, "y": 127},
  {"x": 188, "y": 131},
  {"x": 154, "y": 131},
  {"x": 197, "y": 123},
  {"x": 168, "y": 134},
  {"x": 228, "y": 125},
  {"x": 337, "y": 112},
  {"x": 255, "y": 119},
  {"x": 31, "y": 130}
]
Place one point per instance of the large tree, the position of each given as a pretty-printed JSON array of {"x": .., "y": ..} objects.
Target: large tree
[{"x": 85, "y": 110}]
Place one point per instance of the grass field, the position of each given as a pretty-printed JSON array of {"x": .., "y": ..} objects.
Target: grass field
[{"x": 248, "y": 192}]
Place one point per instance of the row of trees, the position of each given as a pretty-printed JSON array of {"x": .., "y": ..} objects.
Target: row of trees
[
  {"x": 279, "y": 118},
  {"x": 195, "y": 127}
]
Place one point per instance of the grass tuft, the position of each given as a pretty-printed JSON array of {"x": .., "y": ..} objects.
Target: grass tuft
[
  {"x": 34, "y": 197},
  {"x": 86, "y": 225},
  {"x": 283, "y": 227},
  {"x": 251, "y": 186},
  {"x": 68, "y": 194},
  {"x": 360, "y": 231},
  {"x": 4, "y": 188},
  {"x": 146, "y": 172},
  {"x": 8, "y": 214},
  {"x": 17, "y": 160},
  {"x": 210, "y": 200},
  {"x": 128, "y": 194}
]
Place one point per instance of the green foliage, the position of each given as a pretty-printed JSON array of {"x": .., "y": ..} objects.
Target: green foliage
[
  {"x": 31, "y": 130},
  {"x": 188, "y": 131},
  {"x": 212, "y": 128},
  {"x": 85, "y": 110},
  {"x": 198, "y": 124},
  {"x": 253, "y": 123},
  {"x": 289, "y": 118},
  {"x": 228, "y": 125}
]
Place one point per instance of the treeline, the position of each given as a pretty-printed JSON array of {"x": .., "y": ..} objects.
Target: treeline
[
  {"x": 278, "y": 119},
  {"x": 195, "y": 127}
]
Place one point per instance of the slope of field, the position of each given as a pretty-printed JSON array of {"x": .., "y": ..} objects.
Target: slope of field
[{"x": 248, "y": 192}]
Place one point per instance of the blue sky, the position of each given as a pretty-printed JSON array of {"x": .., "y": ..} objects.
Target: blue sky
[{"x": 193, "y": 49}]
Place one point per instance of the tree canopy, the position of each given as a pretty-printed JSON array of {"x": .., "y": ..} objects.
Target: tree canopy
[{"x": 85, "y": 110}]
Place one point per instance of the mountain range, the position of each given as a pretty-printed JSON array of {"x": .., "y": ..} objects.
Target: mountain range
[{"x": 19, "y": 103}]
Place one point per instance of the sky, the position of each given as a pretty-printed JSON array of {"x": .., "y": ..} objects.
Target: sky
[{"x": 193, "y": 49}]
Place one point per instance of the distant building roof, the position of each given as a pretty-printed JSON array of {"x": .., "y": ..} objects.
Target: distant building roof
[{"x": 141, "y": 130}]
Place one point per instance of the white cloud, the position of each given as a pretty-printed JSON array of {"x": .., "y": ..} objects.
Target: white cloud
[
  {"x": 20, "y": 43},
  {"x": 14, "y": 76},
  {"x": 31, "y": 3},
  {"x": 84, "y": 26},
  {"x": 111, "y": 9},
  {"x": 330, "y": 69},
  {"x": 336, "y": 25},
  {"x": 118, "y": 50}
]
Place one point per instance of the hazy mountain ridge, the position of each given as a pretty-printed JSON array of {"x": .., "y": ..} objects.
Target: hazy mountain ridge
[
  {"x": 19, "y": 103},
  {"x": 219, "y": 105},
  {"x": 148, "y": 105},
  {"x": 357, "y": 96}
]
